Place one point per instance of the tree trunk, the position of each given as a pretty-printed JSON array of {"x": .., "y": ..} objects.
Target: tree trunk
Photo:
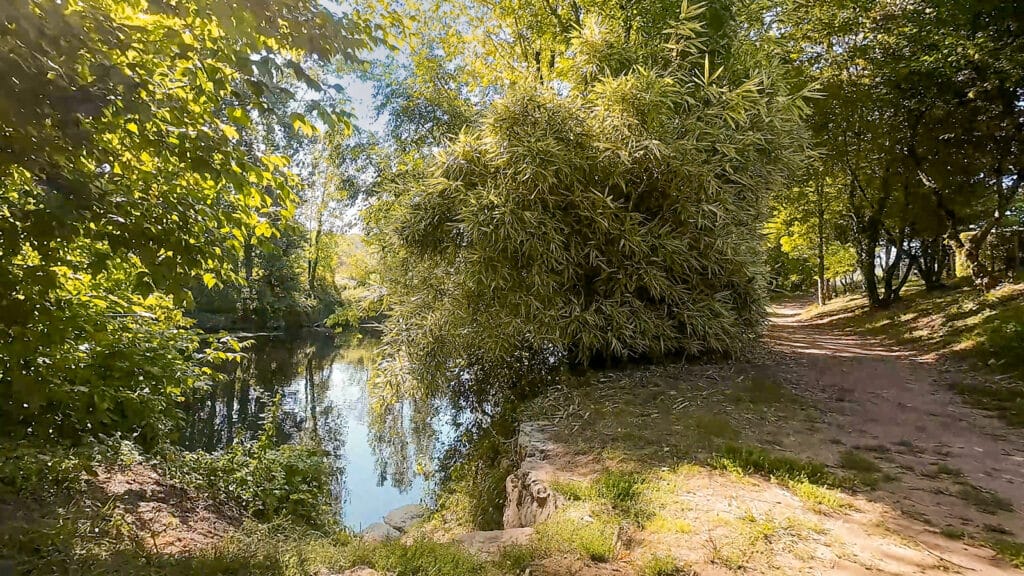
[
  {"x": 932, "y": 264},
  {"x": 823, "y": 297}
]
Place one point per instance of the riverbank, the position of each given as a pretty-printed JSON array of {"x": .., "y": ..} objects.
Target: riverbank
[{"x": 828, "y": 452}]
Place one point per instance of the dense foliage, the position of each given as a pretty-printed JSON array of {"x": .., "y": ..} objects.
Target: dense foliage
[
  {"x": 125, "y": 178},
  {"x": 920, "y": 133},
  {"x": 616, "y": 220}
]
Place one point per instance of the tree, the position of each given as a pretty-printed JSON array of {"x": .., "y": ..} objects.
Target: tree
[
  {"x": 124, "y": 179},
  {"x": 618, "y": 220},
  {"x": 921, "y": 113}
]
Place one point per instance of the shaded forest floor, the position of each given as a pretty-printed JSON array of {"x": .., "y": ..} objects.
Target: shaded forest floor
[{"x": 835, "y": 452}]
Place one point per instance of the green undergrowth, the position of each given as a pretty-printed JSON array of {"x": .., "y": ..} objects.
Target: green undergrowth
[
  {"x": 624, "y": 491},
  {"x": 986, "y": 329},
  {"x": 1010, "y": 550},
  {"x": 786, "y": 469}
]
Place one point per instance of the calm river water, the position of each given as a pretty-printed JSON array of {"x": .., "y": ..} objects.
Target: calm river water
[{"x": 383, "y": 458}]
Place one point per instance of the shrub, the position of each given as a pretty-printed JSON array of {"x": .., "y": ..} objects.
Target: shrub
[{"x": 613, "y": 223}]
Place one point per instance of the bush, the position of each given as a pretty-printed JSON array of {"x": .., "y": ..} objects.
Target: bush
[
  {"x": 616, "y": 223},
  {"x": 290, "y": 483}
]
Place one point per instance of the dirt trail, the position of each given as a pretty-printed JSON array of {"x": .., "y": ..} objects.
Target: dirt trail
[{"x": 956, "y": 466}]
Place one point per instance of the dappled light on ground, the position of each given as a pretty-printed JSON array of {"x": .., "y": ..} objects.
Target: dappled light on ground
[{"x": 831, "y": 454}]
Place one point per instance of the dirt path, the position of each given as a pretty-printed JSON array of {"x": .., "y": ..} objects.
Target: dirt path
[{"x": 956, "y": 467}]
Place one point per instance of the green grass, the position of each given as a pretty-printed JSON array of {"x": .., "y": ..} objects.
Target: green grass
[
  {"x": 984, "y": 500},
  {"x": 1010, "y": 550},
  {"x": 660, "y": 565},
  {"x": 754, "y": 460},
  {"x": 570, "y": 531}
]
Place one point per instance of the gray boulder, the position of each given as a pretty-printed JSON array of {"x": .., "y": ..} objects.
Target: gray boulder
[
  {"x": 378, "y": 531},
  {"x": 402, "y": 518}
]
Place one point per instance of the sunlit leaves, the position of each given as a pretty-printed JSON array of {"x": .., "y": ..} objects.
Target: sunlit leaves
[
  {"x": 617, "y": 220},
  {"x": 127, "y": 171}
]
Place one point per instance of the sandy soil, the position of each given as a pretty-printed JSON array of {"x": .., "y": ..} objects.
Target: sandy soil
[
  {"x": 901, "y": 407},
  {"x": 947, "y": 469}
]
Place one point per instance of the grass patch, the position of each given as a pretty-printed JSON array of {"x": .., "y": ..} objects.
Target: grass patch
[
  {"x": 953, "y": 532},
  {"x": 572, "y": 531},
  {"x": 864, "y": 469},
  {"x": 754, "y": 460},
  {"x": 857, "y": 462},
  {"x": 760, "y": 391},
  {"x": 1010, "y": 550},
  {"x": 983, "y": 500},
  {"x": 661, "y": 524},
  {"x": 418, "y": 558},
  {"x": 713, "y": 426},
  {"x": 1006, "y": 400},
  {"x": 820, "y": 498},
  {"x": 752, "y": 539},
  {"x": 624, "y": 491},
  {"x": 661, "y": 565},
  {"x": 515, "y": 559}
]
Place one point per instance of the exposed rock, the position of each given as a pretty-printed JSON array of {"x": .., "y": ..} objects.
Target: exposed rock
[
  {"x": 379, "y": 531},
  {"x": 529, "y": 498},
  {"x": 491, "y": 542},
  {"x": 402, "y": 518}
]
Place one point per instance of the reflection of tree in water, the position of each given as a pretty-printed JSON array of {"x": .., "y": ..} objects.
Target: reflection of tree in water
[
  {"x": 402, "y": 434},
  {"x": 324, "y": 398},
  {"x": 234, "y": 410}
]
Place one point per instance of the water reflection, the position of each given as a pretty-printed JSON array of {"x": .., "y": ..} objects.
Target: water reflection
[{"x": 383, "y": 450}]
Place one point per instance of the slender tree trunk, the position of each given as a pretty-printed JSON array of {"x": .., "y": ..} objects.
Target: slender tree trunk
[{"x": 823, "y": 297}]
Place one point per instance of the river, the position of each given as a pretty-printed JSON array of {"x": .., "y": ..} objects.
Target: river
[{"x": 382, "y": 458}]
